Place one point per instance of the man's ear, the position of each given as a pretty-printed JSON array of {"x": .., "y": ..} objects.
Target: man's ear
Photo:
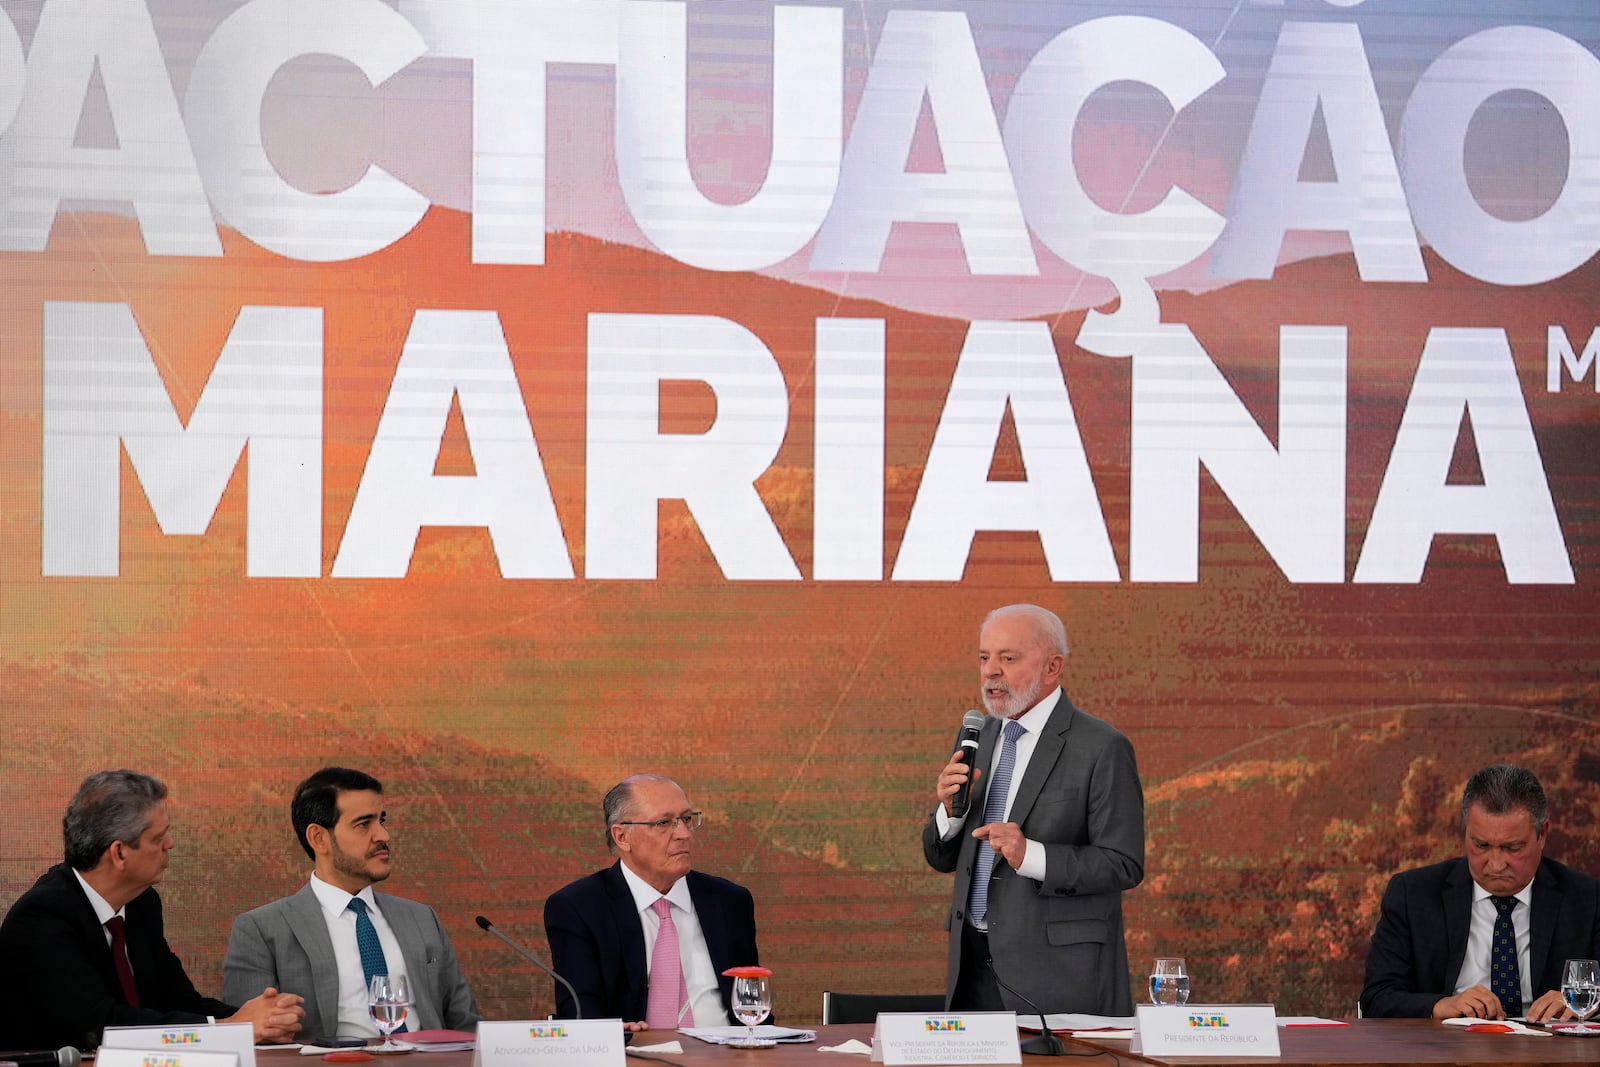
[
  {"x": 619, "y": 837},
  {"x": 317, "y": 838}
]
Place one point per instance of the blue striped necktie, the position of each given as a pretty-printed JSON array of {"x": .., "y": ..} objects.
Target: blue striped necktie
[{"x": 994, "y": 810}]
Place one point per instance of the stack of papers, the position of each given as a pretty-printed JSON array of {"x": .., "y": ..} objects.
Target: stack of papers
[
  {"x": 1110, "y": 1026},
  {"x": 721, "y": 1035},
  {"x": 1504, "y": 1026}
]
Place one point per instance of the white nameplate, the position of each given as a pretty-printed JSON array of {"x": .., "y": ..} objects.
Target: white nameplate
[
  {"x": 579, "y": 1042},
  {"x": 1206, "y": 1030},
  {"x": 144, "y": 1057},
  {"x": 237, "y": 1038},
  {"x": 914, "y": 1037}
]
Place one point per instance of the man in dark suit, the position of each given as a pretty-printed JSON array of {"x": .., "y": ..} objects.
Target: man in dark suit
[
  {"x": 1041, "y": 865},
  {"x": 604, "y": 927},
  {"x": 310, "y": 942},
  {"x": 1442, "y": 948},
  {"x": 85, "y": 947}
]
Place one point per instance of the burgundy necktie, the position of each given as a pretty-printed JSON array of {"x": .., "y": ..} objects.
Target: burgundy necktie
[{"x": 119, "y": 958}]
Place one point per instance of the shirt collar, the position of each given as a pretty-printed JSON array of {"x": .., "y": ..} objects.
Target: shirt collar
[
  {"x": 1526, "y": 896},
  {"x": 1034, "y": 718},
  {"x": 645, "y": 895},
  {"x": 335, "y": 901},
  {"x": 103, "y": 911}
]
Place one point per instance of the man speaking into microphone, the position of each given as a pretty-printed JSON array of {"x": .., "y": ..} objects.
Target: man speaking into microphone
[{"x": 1051, "y": 838}]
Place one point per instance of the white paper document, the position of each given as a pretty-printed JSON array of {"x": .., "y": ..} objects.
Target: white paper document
[
  {"x": 722, "y": 1035},
  {"x": 1112, "y": 1026}
]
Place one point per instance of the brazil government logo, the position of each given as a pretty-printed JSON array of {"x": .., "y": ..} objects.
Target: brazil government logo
[
  {"x": 180, "y": 1037},
  {"x": 943, "y": 1026}
]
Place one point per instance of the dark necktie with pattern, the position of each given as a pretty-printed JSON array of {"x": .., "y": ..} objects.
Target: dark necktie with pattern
[
  {"x": 367, "y": 943},
  {"x": 1505, "y": 977}
]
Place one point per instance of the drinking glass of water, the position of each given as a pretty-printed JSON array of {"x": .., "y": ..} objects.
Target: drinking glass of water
[
  {"x": 1580, "y": 987},
  {"x": 1169, "y": 981},
  {"x": 388, "y": 999},
  {"x": 752, "y": 1002}
]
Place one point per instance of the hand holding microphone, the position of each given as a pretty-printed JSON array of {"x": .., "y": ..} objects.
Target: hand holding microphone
[{"x": 955, "y": 782}]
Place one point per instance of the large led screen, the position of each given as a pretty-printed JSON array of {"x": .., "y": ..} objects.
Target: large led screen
[{"x": 506, "y": 396}]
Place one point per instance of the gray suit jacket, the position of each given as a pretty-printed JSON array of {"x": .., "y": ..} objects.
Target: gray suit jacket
[
  {"x": 1058, "y": 942},
  {"x": 286, "y": 945}
]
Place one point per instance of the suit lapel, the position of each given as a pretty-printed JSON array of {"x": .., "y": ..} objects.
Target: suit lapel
[
  {"x": 708, "y": 912},
  {"x": 94, "y": 936},
  {"x": 141, "y": 949},
  {"x": 1047, "y": 749},
  {"x": 714, "y": 928},
  {"x": 1457, "y": 900},
  {"x": 1542, "y": 924},
  {"x": 304, "y": 914},
  {"x": 630, "y": 936},
  {"x": 403, "y": 922}
]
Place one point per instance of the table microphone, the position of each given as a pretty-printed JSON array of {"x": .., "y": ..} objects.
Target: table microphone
[
  {"x": 966, "y": 747},
  {"x": 66, "y": 1056},
  {"x": 1047, "y": 1043},
  {"x": 519, "y": 950}
]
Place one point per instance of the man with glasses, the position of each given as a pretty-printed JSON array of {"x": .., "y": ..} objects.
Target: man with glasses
[{"x": 646, "y": 940}]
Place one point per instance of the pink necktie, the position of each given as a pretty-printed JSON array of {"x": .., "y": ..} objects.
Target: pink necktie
[{"x": 668, "y": 991}]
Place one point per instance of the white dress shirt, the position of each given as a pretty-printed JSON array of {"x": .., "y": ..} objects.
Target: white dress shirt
[
  {"x": 102, "y": 908},
  {"x": 1032, "y": 722},
  {"x": 699, "y": 974},
  {"x": 355, "y": 1020},
  {"x": 1480, "y": 935},
  {"x": 103, "y": 912}
]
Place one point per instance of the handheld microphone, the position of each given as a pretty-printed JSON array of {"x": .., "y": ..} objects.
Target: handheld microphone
[
  {"x": 967, "y": 749},
  {"x": 489, "y": 927},
  {"x": 1047, "y": 1043},
  {"x": 66, "y": 1056}
]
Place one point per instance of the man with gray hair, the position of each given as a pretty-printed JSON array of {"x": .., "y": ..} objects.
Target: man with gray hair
[
  {"x": 646, "y": 940},
  {"x": 1052, "y": 837},
  {"x": 85, "y": 947},
  {"x": 1484, "y": 934}
]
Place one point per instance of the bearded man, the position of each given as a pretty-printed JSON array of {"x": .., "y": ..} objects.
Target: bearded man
[
  {"x": 1056, "y": 836},
  {"x": 328, "y": 940}
]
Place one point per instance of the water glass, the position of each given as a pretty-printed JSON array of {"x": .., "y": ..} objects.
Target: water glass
[
  {"x": 1169, "y": 981},
  {"x": 389, "y": 999},
  {"x": 1580, "y": 987}
]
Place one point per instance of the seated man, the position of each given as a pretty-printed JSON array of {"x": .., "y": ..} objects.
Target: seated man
[
  {"x": 646, "y": 940},
  {"x": 85, "y": 948},
  {"x": 1484, "y": 935},
  {"x": 330, "y": 938}
]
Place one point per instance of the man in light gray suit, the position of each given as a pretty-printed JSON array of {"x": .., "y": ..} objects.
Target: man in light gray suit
[
  {"x": 326, "y": 941},
  {"x": 1036, "y": 911}
]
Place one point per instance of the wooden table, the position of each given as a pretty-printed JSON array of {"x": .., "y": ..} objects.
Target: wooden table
[
  {"x": 1363, "y": 1043},
  {"x": 1378, "y": 1043}
]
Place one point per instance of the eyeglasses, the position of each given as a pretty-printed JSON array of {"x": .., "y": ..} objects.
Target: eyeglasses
[{"x": 690, "y": 820}]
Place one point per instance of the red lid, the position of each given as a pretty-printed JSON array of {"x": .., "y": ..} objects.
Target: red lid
[{"x": 747, "y": 972}]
